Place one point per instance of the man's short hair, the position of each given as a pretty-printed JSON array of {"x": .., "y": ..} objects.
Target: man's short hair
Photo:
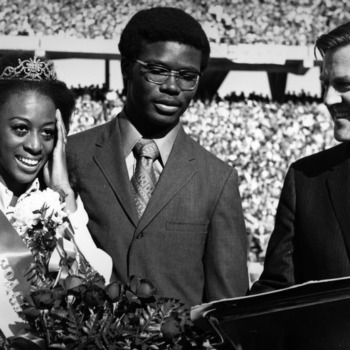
[
  {"x": 337, "y": 37},
  {"x": 163, "y": 24}
]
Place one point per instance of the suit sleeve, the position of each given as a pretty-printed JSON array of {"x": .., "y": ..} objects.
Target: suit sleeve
[
  {"x": 279, "y": 265},
  {"x": 225, "y": 259}
]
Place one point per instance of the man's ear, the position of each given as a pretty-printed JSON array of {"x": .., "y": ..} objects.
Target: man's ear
[{"x": 126, "y": 67}]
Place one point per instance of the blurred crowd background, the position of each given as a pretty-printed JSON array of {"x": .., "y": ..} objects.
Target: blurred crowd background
[
  {"x": 288, "y": 22},
  {"x": 258, "y": 136}
]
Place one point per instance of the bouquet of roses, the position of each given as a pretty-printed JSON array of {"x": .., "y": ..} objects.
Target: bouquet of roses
[
  {"x": 72, "y": 308},
  {"x": 82, "y": 314}
]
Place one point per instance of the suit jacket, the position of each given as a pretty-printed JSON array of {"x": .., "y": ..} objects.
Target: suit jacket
[
  {"x": 191, "y": 239},
  {"x": 311, "y": 239}
]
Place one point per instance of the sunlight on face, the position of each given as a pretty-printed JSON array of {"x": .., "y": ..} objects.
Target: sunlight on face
[{"x": 336, "y": 81}]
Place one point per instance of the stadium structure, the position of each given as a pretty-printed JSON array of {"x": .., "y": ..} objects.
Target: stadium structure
[{"x": 276, "y": 60}]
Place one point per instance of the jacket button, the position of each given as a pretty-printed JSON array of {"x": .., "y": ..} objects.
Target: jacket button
[{"x": 140, "y": 235}]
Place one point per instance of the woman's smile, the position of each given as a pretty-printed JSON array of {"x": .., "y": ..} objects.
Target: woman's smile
[{"x": 29, "y": 163}]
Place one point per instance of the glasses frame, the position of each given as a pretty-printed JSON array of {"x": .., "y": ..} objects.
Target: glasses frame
[{"x": 171, "y": 72}]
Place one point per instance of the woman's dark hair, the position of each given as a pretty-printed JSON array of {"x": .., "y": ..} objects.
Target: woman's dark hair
[
  {"x": 337, "y": 37},
  {"x": 56, "y": 90},
  {"x": 163, "y": 24}
]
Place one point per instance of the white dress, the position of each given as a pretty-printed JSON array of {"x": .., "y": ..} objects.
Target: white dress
[{"x": 10, "y": 322}]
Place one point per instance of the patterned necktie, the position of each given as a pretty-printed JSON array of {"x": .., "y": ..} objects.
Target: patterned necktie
[{"x": 144, "y": 179}]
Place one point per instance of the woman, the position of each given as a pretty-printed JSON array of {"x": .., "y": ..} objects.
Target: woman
[{"x": 35, "y": 110}]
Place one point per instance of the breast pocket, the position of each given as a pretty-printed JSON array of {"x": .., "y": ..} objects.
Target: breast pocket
[{"x": 187, "y": 226}]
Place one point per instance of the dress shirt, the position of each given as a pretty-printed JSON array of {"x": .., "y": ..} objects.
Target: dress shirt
[{"x": 130, "y": 136}]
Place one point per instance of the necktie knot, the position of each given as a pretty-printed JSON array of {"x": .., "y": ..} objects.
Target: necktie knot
[
  {"x": 145, "y": 178},
  {"x": 146, "y": 148}
]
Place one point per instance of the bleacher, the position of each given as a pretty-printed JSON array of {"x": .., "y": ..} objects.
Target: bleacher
[{"x": 286, "y": 22}]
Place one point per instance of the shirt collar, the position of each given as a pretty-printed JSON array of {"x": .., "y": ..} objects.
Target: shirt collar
[
  {"x": 6, "y": 194},
  {"x": 130, "y": 136},
  {"x": 35, "y": 186}
]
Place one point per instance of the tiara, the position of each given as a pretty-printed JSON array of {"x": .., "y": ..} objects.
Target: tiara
[{"x": 32, "y": 69}]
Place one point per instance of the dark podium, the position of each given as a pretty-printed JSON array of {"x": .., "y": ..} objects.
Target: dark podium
[{"x": 311, "y": 316}]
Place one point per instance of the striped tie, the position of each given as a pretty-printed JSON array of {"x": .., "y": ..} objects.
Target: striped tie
[{"x": 144, "y": 179}]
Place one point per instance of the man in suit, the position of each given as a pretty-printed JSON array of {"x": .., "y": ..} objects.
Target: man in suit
[
  {"x": 311, "y": 239},
  {"x": 189, "y": 238}
]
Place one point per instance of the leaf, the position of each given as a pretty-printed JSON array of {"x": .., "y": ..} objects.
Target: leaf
[
  {"x": 60, "y": 313},
  {"x": 132, "y": 298},
  {"x": 73, "y": 324}
]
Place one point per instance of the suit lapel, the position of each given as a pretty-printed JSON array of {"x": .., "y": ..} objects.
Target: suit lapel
[
  {"x": 110, "y": 159},
  {"x": 177, "y": 172},
  {"x": 338, "y": 183}
]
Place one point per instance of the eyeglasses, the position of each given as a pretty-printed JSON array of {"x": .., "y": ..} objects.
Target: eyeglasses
[{"x": 187, "y": 80}]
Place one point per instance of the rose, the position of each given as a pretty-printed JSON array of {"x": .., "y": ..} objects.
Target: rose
[
  {"x": 74, "y": 288},
  {"x": 145, "y": 289},
  {"x": 50, "y": 241},
  {"x": 72, "y": 282},
  {"x": 26, "y": 211},
  {"x": 94, "y": 296},
  {"x": 38, "y": 206},
  {"x": 99, "y": 281},
  {"x": 43, "y": 298},
  {"x": 142, "y": 288},
  {"x": 170, "y": 329},
  {"x": 114, "y": 291},
  {"x": 31, "y": 313},
  {"x": 53, "y": 206}
]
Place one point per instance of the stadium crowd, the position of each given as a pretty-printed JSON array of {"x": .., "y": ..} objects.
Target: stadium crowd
[
  {"x": 259, "y": 137},
  {"x": 288, "y": 22}
]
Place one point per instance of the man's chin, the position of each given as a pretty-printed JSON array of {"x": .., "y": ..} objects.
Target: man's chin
[{"x": 164, "y": 120}]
